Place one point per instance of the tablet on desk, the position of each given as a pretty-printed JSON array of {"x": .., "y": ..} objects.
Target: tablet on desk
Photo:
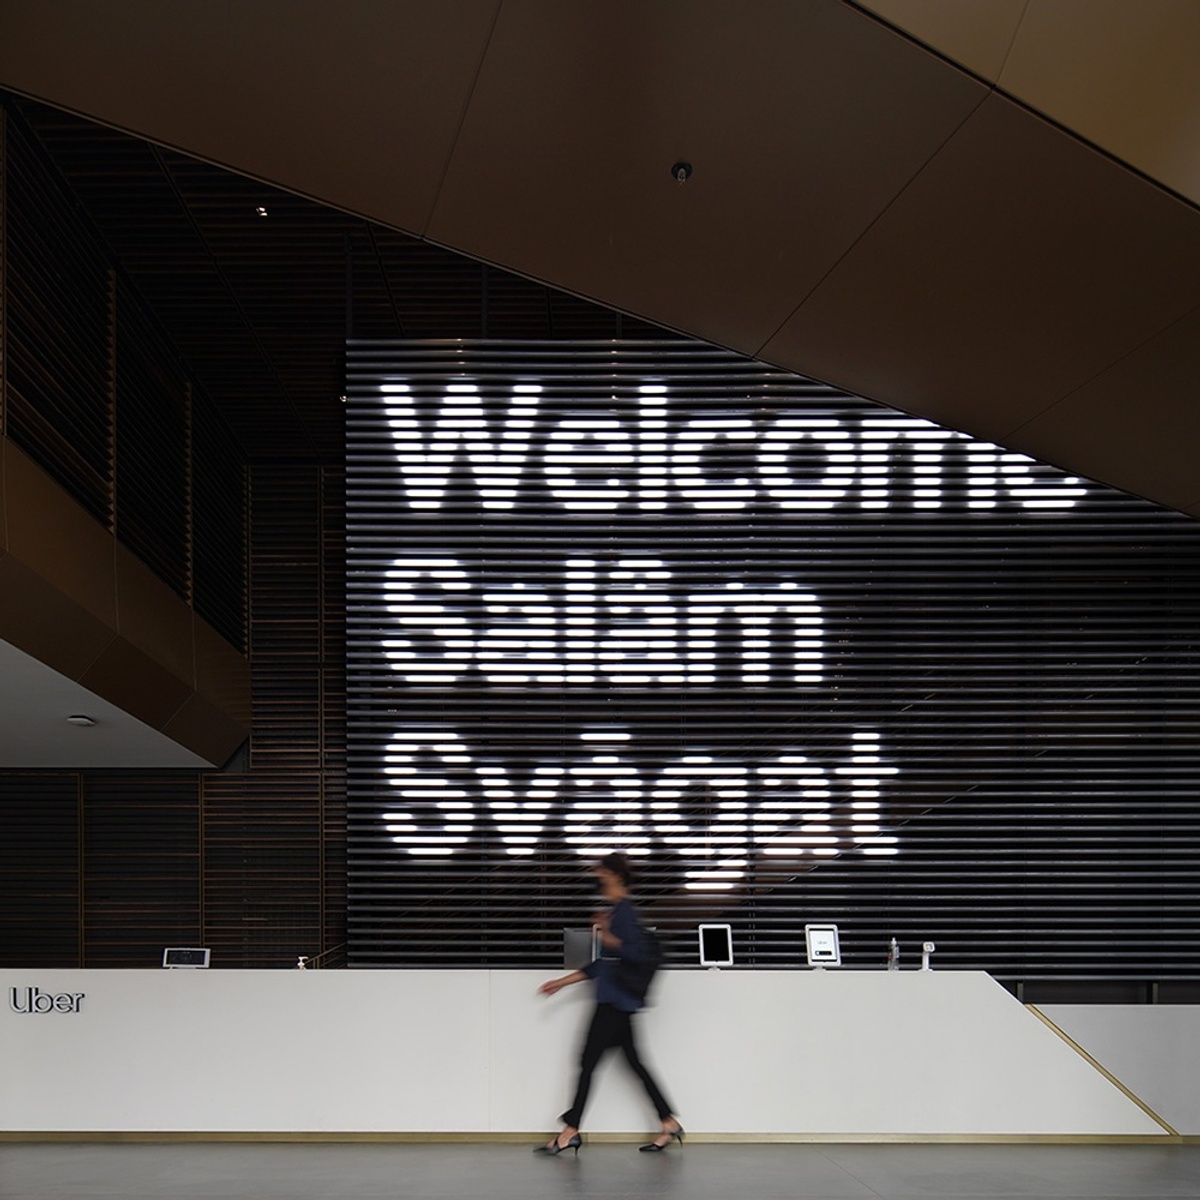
[
  {"x": 823, "y": 947},
  {"x": 716, "y": 946},
  {"x": 184, "y": 956}
]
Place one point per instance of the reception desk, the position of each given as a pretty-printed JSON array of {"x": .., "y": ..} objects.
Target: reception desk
[{"x": 742, "y": 1054}]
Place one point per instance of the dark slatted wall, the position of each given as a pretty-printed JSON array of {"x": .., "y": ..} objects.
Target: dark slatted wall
[
  {"x": 141, "y": 867},
  {"x": 153, "y": 447},
  {"x": 40, "y": 899},
  {"x": 272, "y": 837},
  {"x": 58, "y": 310},
  {"x": 104, "y": 868},
  {"x": 333, "y": 712},
  {"x": 219, "y": 507},
  {"x": 808, "y": 659},
  {"x": 97, "y": 395}
]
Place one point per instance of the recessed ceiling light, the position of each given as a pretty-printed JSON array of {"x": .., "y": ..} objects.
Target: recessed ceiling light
[
  {"x": 80, "y": 720},
  {"x": 262, "y": 212}
]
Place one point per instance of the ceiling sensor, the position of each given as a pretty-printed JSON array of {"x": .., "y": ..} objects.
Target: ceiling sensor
[
  {"x": 80, "y": 720},
  {"x": 681, "y": 172}
]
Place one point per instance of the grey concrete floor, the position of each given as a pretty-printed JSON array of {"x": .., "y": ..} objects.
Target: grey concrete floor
[{"x": 606, "y": 1172}]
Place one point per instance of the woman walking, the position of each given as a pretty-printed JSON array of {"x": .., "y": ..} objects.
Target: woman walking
[{"x": 612, "y": 1021}]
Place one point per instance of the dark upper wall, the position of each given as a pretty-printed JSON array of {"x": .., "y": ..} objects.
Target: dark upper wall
[
  {"x": 122, "y": 549},
  {"x": 862, "y": 210}
]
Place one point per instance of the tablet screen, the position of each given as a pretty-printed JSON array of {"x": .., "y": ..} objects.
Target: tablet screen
[{"x": 716, "y": 946}]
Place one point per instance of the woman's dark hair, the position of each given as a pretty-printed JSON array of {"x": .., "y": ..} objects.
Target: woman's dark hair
[{"x": 618, "y": 864}]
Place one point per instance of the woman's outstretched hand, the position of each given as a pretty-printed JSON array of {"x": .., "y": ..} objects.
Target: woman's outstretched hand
[{"x": 556, "y": 985}]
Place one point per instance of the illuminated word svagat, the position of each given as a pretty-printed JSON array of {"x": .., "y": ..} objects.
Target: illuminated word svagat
[{"x": 713, "y": 810}]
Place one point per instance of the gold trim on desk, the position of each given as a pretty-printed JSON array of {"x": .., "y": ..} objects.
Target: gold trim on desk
[
  {"x": 533, "y": 1138},
  {"x": 1041, "y": 1016}
]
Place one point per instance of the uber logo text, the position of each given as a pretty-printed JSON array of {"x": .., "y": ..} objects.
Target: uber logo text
[{"x": 34, "y": 1000}]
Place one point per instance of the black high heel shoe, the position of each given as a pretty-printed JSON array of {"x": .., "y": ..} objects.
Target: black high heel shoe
[
  {"x": 673, "y": 1135},
  {"x": 553, "y": 1147}
]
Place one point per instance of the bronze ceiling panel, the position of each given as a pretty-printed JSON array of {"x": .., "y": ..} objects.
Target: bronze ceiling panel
[
  {"x": 222, "y": 675},
  {"x": 1018, "y": 266},
  {"x": 1139, "y": 420},
  {"x": 153, "y": 618},
  {"x": 356, "y": 102},
  {"x": 977, "y": 34},
  {"x": 56, "y": 539},
  {"x": 125, "y": 676},
  {"x": 37, "y": 618},
  {"x": 801, "y": 126},
  {"x": 1123, "y": 75},
  {"x": 3, "y": 489},
  {"x": 206, "y": 730}
]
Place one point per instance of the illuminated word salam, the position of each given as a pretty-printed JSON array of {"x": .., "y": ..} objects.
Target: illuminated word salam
[
  {"x": 643, "y": 461},
  {"x": 788, "y": 806},
  {"x": 631, "y": 625}
]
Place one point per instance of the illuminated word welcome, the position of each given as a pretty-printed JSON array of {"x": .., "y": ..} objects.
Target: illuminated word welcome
[
  {"x": 714, "y": 810},
  {"x": 630, "y": 625},
  {"x": 644, "y": 462}
]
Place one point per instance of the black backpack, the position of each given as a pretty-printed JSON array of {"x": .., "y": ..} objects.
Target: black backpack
[{"x": 636, "y": 977}]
